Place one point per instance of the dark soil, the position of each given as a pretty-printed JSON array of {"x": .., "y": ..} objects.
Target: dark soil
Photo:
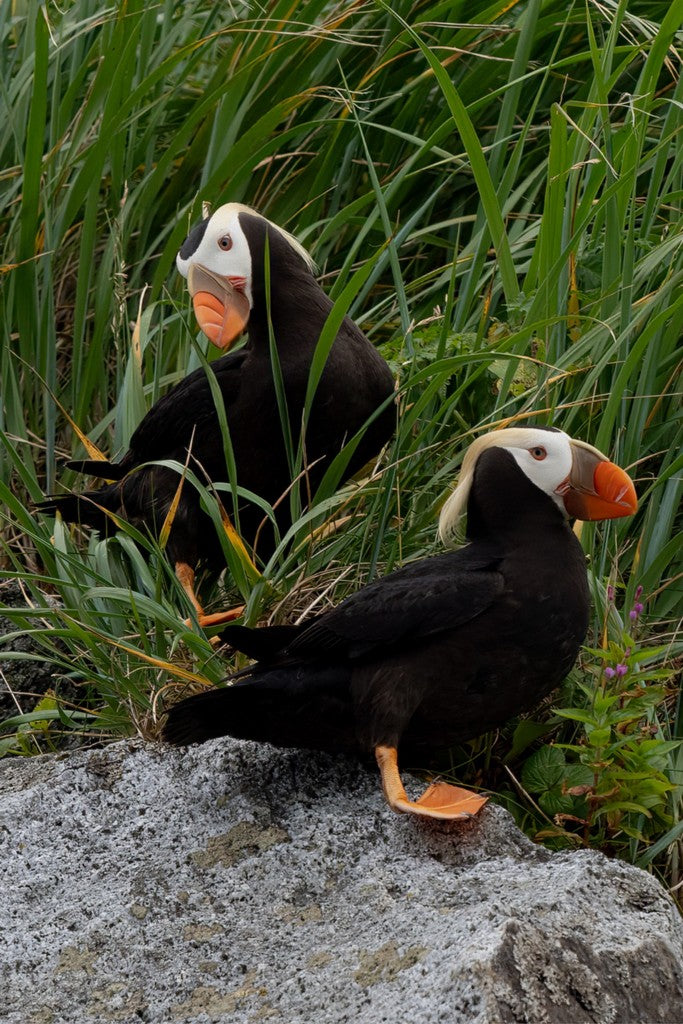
[{"x": 24, "y": 681}]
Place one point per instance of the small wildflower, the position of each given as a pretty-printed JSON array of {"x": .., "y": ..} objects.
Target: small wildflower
[
  {"x": 638, "y": 608},
  {"x": 621, "y": 670},
  {"x": 609, "y": 672},
  {"x": 639, "y": 591},
  {"x": 610, "y": 592},
  {"x": 633, "y": 615}
]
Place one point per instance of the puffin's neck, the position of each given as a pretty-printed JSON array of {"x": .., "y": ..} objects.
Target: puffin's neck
[
  {"x": 297, "y": 305},
  {"x": 293, "y": 300},
  {"x": 503, "y": 502}
]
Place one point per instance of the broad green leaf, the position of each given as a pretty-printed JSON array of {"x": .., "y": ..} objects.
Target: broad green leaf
[{"x": 543, "y": 770}]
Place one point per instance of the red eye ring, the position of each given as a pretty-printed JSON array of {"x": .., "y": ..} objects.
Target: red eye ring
[
  {"x": 538, "y": 452},
  {"x": 225, "y": 243}
]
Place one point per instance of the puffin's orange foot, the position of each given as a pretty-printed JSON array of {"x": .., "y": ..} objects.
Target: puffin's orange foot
[
  {"x": 217, "y": 618},
  {"x": 440, "y": 800},
  {"x": 185, "y": 574}
]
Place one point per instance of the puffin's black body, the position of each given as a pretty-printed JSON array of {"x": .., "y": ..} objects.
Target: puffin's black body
[
  {"x": 355, "y": 383},
  {"x": 437, "y": 652}
]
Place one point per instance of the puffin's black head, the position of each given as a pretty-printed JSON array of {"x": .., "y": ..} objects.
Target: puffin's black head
[
  {"x": 223, "y": 259},
  {"x": 513, "y": 466},
  {"x": 192, "y": 242}
]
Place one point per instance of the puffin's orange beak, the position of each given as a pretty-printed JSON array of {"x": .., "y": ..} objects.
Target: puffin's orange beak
[
  {"x": 222, "y": 310},
  {"x": 596, "y": 488}
]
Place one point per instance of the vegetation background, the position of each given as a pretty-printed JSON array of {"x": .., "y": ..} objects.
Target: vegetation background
[{"x": 493, "y": 191}]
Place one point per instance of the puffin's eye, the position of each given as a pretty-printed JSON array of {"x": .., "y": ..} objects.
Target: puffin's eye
[
  {"x": 538, "y": 453},
  {"x": 225, "y": 243}
]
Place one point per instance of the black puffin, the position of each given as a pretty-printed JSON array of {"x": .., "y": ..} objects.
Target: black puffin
[
  {"x": 224, "y": 260},
  {"x": 446, "y": 647}
]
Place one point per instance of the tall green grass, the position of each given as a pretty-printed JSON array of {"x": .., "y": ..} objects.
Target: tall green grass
[{"x": 493, "y": 191}]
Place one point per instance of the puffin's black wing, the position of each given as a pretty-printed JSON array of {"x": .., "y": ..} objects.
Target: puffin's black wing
[
  {"x": 419, "y": 600},
  {"x": 168, "y": 426},
  {"x": 427, "y": 597},
  {"x": 185, "y": 416},
  {"x": 187, "y": 409}
]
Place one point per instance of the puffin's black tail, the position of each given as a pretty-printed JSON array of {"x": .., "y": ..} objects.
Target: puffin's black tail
[
  {"x": 199, "y": 718},
  {"x": 303, "y": 706},
  {"x": 87, "y": 508}
]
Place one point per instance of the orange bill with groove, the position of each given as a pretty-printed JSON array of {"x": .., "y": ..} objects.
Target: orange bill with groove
[
  {"x": 596, "y": 488},
  {"x": 222, "y": 310}
]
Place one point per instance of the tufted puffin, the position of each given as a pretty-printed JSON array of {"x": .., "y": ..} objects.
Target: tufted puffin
[
  {"x": 224, "y": 260},
  {"x": 445, "y": 648}
]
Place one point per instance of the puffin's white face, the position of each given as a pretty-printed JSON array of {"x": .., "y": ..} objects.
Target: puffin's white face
[
  {"x": 544, "y": 456},
  {"x": 217, "y": 261},
  {"x": 581, "y": 481},
  {"x": 224, "y": 250}
]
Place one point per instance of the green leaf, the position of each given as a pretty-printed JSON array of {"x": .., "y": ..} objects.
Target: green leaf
[
  {"x": 526, "y": 732},
  {"x": 622, "y": 805},
  {"x": 662, "y": 844},
  {"x": 578, "y": 775},
  {"x": 577, "y": 715},
  {"x": 31, "y": 717},
  {"x": 8, "y": 745},
  {"x": 543, "y": 770},
  {"x": 599, "y": 737},
  {"x": 554, "y": 802}
]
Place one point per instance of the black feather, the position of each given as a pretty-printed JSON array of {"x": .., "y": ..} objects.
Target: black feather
[
  {"x": 87, "y": 509},
  {"x": 97, "y": 467},
  {"x": 262, "y": 644}
]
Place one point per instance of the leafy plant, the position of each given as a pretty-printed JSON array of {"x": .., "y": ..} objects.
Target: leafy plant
[{"x": 616, "y": 783}]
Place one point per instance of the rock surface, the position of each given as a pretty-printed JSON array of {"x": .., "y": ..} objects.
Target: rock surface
[{"x": 232, "y": 882}]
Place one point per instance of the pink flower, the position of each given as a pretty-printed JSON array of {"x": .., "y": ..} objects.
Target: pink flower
[
  {"x": 609, "y": 672},
  {"x": 621, "y": 670}
]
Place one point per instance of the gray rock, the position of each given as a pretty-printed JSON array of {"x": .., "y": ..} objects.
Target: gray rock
[{"x": 232, "y": 882}]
